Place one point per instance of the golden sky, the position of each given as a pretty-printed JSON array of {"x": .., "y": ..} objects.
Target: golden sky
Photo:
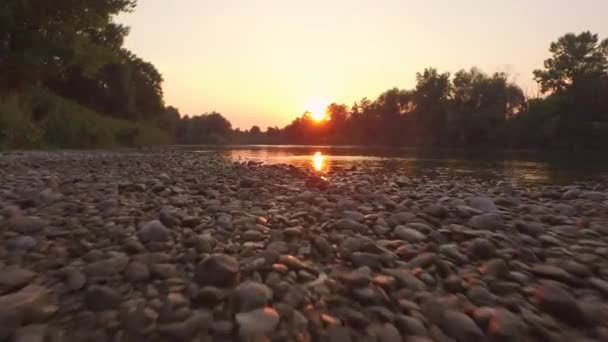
[{"x": 265, "y": 61}]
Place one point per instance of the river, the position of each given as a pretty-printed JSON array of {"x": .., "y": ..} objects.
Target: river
[{"x": 525, "y": 167}]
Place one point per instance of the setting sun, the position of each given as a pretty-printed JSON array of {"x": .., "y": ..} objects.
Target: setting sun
[{"x": 318, "y": 109}]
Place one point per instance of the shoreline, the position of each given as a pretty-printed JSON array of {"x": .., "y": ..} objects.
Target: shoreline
[{"x": 177, "y": 245}]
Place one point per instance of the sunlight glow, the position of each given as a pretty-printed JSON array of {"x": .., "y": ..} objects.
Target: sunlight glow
[
  {"x": 318, "y": 161},
  {"x": 318, "y": 109}
]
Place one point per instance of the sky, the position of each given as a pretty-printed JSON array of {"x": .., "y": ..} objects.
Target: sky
[{"x": 265, "y": 62}]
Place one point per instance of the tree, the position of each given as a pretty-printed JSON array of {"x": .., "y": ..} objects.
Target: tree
[
  {"x": 574, "y": 58},
  {"x": 431, "y": 98},
  {"x": 41, "y": 39},
  {"x": 481, "y": 106}
]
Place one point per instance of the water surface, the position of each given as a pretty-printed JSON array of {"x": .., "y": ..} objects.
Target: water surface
[{"x": 520, "y": 166}]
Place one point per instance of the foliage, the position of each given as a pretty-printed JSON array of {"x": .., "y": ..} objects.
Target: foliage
[
  {"x": 575, "y": 58},
  {"x": 210, "y": 128},
  {"x": 40, "y": 119}
]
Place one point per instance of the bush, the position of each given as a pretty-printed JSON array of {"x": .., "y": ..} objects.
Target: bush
[{"x": 41, "y": 119}]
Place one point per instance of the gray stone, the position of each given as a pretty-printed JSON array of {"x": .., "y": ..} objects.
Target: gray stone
[
  {"x": 27, "y": 224},
  {"x": 258, "y": 322},
  {"x": 14, "y": 278},
  {"x": 153, "y": 231},
  {"x": 251, "y": 295},
  {"x": 137, "y": 272},
  {"x": 409, "y": 234},
  {"x": 100, "y": 298},
  {"x": 483, "y": 204},
  {"x": 490, "y": 221},
  {"x": 555, "y": 300},
  {"x": 107, "y": 268},
  {"x": 218, "y": 270}
]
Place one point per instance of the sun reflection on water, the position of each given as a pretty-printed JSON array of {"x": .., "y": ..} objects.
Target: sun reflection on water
[{"x": 319, "y": 163}]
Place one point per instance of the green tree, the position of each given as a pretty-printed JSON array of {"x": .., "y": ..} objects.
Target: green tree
[
  {"x": 574, "y": 58},
  {"x": 41, "y": 39}
]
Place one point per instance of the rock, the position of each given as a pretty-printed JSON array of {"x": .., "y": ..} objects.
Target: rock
[
  {"x": 27, "y": 305},
  {"x": 370, "y": 260},
  {"x": 409, "y": 234},
  {"x": 593, "y": 195},
  {"x": 253, "y": 235},
  {"x": 27, "y": 224},
  {"x": 480, "y": 296},
  {"x": 336, "y": 333},
  {"x": 599, "y": 284},
  {"x": 257, "y": 322},
  {"x": 218, "y": 270},
  {"x": 348, "y": 224},
  {"x": 505, "y": 326},
  {"x": 251, "y": 295},
  {"x": 75, "y": 280},
  {"x": 436, "y": 210},
  {"x": 14, "y": 278},
  {"x": 22, "y": 243},
  {"x": 356, "y": 278},
  {"x": 386, "y": 333},
  {"x": 533, "y": 229},
  {"x": 168, "y": 218},
  {"x": 153, "y": 231},
  {"x": 100, "y": 298},
  {"x": 551, "y": 272},
  {"x": 461, "y": 327},
  {"x": 406, "y": 279},
  {"x": 137, "y": 272},
  {"x": 186, "y": 330},
  {"x": 483, "y": 204},
  {"x": 490, "y": 221},
  {"x": 482, "y": 249},
  {"x": 210, "y": 296},
  {"x": 32, "y": 333},
  {"x": 555, "y": 300},
  {"x": 107, "y": 268}
]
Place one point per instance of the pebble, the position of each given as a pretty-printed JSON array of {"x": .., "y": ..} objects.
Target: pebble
[
  {"x": 153, "y": 231},
  {"x": 257, "y": 322},
  {"x": 184, "y": 246},
  {"x": 218, "y": 270}
]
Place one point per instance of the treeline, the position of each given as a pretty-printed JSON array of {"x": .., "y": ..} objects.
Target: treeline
[
  {"x": 66, "y": 80},
  {"x": 474, "y": 109}
]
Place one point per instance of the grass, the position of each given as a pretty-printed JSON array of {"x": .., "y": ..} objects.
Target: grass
[{"x": 40, "y": 119}]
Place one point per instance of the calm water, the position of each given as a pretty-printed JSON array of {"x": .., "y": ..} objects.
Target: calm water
[{"x": 521, "y": 166}]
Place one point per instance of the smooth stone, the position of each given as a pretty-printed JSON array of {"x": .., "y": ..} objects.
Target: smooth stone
[
  {"x": 409, "y": 234},
  {"x": 461, "y": 327},
  {"x": 251, "y": 295},
  {"x": 551, "y": 272},
  {"x": 489, "y": 221},
  {"x": 137, "y": 272},
  {"x": 76, "y": 280},
  {"x": 505, "y": 326},
  {"x": 27, "y": 224},
  {"x": 107, "y": 268},
  {"x": 153, "y": 231},
  {"x": 555, "y": 300},
  {"x": 219, "y": 270},
  {"x": 22, "y": 243},
  {"x": 483, "y": 204},
  {"x": 100, "y": 298},
  {"x": 14, "y": 278},
  {"x": 257, "y": 322},
  {"x": 27, "y": 305},
  {"x": 386, "y": 333},
  {"x": 348, "y": 224},
  {"x": 482, "y": 249},
  {"x": 533, "y": 229}
]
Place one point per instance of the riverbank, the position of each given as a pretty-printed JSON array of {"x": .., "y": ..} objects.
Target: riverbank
[{"x": 182, "y": 246}]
